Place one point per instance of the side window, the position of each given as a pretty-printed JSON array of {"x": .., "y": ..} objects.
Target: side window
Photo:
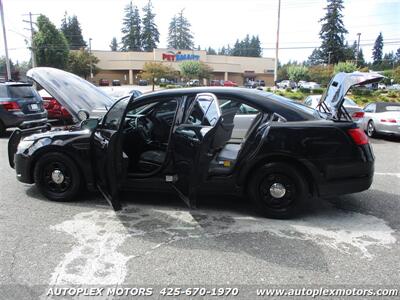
[
  {"x": 308, "y": 101},
  {"x": 370, "y": 108},
  {"x": 3, "y": 91},
  {"x": 205, "y": 112},
  {"x": 113, "y": 118},
  {"x": 247, "y": 110}
]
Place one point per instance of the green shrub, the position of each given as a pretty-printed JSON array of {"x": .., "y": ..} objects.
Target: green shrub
[
  {"x": 172, "y": 86},
  {"x": 304, "y": 90},
  {"x": 288, "y": 89},
  {"x": 163, "y": 85},
  {"x": 318, "y": 91},
  {"x": 361, "y": 92},
  {"x": 393, "y": 94}
]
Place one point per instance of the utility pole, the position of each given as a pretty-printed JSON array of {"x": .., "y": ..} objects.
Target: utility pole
[
  {"x": 277, "y": 43},
  {"x": 90, "y": 58},
  {"x": 329, "y": 57},
  {"x": 33, "y": 58},
  {"x": 358, "y": 47},
  {"x": 5, "y": 41}
]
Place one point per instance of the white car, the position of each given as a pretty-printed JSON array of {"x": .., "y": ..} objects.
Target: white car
[
  {"x": 351, "y": 107},
  {"x": 381, "y": 86},
  {"x": 310, "y": 85}
]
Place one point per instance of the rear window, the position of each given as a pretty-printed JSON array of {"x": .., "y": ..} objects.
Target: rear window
[
  {"x": 392, "y": 108},
  {"x": 21, "y": 91},
  {"x": 3, "y": 92}
]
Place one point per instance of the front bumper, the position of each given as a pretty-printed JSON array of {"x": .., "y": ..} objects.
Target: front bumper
[{"x": 23, "y": 168}]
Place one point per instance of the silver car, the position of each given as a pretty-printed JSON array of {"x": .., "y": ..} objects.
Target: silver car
[
  {"x": 381, "y": 117},
  {"x": 351, "y": 107}
]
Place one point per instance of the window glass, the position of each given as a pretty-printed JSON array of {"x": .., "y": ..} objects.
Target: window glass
[
  {"x": 3, "y": 91},
  {"x": 370, "y": 107},
  {"x": 22, "y": 91},
  {"x": 205, "y": 112},
  {"x": 114, "y": 116},
  {"x": 393, "y": 108}
]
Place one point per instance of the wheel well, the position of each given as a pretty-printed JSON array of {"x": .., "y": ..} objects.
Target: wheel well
[
  {"x": 292, "y": 162},
  {"x": 54, "y": 150}
]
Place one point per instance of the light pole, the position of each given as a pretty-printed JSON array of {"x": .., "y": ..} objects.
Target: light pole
[
  {"x": 358, "y": 47},
  {"x": 5, "y": 42},
  {"x": 329, "y": 57},
  {"x": 277, "y": 43},
  {"x": 90, "y": 58}
]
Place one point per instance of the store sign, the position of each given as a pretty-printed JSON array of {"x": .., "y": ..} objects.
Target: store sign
[{"x": 171, "y": 56}]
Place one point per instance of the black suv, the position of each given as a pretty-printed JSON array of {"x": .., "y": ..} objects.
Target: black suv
[{"x": 20, "y": 106}]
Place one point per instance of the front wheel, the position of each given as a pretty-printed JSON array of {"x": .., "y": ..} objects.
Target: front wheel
[
  {"x": 57, "y": 177},
  {"x": 278, "y": 190}
]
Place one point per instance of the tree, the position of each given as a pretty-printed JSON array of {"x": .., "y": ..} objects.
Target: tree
[
  {"x": 15, "y": 70},
  {"x": 179, "y": 34},
  {"x": 377, "y": 50},
  {"x": 347, "y": 67},
  {"x": 50, "y": 44},
  {"x": 360, "y": 58},
  {"x": 190, "y": 69},
  {"x": 131, "y": 30},
  {"x": 72, "y": 31},
  {"x": 114, "y": 44},
  {"x": 296, "y": 72},
  {"x": 154, "y": 70},
  {"x": 250, "y": 47},
  {"x": 255, "y": 46},
  {"x": 79, "y": 63},
  {"x": 211, "y": 51},
  {"x": 316, "y": 58},
  {"x": 321, "y": 74},
  {"x": 205, "y": 71},
  {"x": 150, "y": 34},
  {"x": 332, "y": 33}
]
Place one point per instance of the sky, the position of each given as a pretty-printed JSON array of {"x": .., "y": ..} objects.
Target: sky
[{"x": 215, "y": 23}]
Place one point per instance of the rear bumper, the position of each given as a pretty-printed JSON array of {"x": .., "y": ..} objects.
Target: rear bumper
[
  {"x": 389, "y": 128},
  {"x": 19, "y": 119},
  {"x": 345, "y": 186}
]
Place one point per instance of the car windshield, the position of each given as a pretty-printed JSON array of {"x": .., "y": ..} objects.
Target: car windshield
[{"x": 21, "y": 91}]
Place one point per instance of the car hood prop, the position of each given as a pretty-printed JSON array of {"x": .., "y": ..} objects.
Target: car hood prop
[
  {"x": 333, "y": 98},
  {"x": 71, "y": 91}
]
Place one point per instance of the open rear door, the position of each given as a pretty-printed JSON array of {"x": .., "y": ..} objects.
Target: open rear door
[{"x": 192, "y": 141}]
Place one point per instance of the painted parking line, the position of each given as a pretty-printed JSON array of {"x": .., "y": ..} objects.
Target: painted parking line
[{"x": 388, "y": 174}]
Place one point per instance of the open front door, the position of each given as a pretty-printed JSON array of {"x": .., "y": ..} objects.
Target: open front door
[
  {"x": 192, "y": 143},
  {"x": 107, "y": 158}
]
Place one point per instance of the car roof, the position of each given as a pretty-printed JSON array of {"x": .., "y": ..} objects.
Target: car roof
[{"x": 260, "y": 99}]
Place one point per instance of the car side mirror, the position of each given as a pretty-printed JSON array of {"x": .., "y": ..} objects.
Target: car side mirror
[{"x": 83, "y": 115}]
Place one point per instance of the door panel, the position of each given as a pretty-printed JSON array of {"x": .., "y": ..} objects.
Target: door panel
[{"x": 192, "y": 142}]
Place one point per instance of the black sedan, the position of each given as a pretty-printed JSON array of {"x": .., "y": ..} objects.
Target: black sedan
[{"x": 180, "y": 139}]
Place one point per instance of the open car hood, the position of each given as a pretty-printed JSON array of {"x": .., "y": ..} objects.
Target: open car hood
[
  {"x": 71, "y": 91},
  {"x": 333, "y": 98}
]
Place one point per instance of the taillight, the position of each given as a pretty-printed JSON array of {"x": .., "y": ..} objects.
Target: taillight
[
  {"x": 358, "y": 136},
  {"x": 358, "y": 115},
  {"x": 388, "y": 120},
  {"x": 11, "y": 106}
]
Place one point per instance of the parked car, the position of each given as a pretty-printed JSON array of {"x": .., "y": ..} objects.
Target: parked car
[
  {"x": 230, "y": 83},
  {"x": 394, "y": 87},
  {"x": 216, "y": 83},
  {"x": 193, "y": 82},
  {"x": 284, "y": 84},
  {"x": 143, "y": 82},
  {"x": 118, "y": 92},
  {"x": 116, "y": 82},
  {"x": 381, "y": 86},
  {"x": 381, "y": 118},
  {"x": 300, "y": 83},
  {"x": 181, "y": 139},
  {"x": 20, "y": 106},
  {"x": 104, "y": 82},
  {"x": 310, "y": 85},
  {"x": 355, "y": 111},
  {"x": 55, "y": 111}
]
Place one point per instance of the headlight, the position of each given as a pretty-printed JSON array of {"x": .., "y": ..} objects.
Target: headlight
[{"x": 23, "y": 145}]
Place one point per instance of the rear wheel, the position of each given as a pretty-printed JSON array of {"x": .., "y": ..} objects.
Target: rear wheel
[
  {"x": 57, "y": 177},
  {"x": 371, "y": 132},
  {"x": 2, "y": 129},
  {"x": 278, "y": 190}
]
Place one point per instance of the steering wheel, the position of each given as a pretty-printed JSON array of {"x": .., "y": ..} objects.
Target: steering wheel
[{"x": 144, "y": 127}]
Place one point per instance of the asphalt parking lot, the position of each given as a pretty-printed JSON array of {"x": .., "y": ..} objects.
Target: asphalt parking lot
[{"x": 350, "y": 240}]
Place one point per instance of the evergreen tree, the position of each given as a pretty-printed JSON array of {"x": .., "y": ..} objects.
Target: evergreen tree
[
  {"x": 316, "y": 58},
  {"x": 131, "y": 30},
  {"x": 150, "y": 34},
  {"x": 222, "y": 51},
  {"x": 397, "y": 56},
  {"x": 51, "y": 46},
  {"x": 179, "y": 34},
  {"x": 72, "y": 31},
  {"x": 250, "y": 47},
  {"x": 255, "y": 46},
  {"x": 377, "y": 51},
  {"x": 211, "y": 51},
  {"x": 360, "y": 58},
  {"x": 114, "y": 44},
  {"x": 332, "y": 33}
]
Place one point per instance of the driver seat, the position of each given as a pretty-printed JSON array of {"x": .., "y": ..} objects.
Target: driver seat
[{"x": 151, "y": 160}]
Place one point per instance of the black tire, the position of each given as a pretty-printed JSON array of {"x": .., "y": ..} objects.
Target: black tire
[
  {"x": 2, "y": 129},
  {"x": 371, "y": 132},
  {"x": 70, "y": 186},
  {"x": 279, "y": 174}
]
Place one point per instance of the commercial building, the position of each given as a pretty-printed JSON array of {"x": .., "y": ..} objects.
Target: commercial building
[{"x": 126, "y": 66}]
